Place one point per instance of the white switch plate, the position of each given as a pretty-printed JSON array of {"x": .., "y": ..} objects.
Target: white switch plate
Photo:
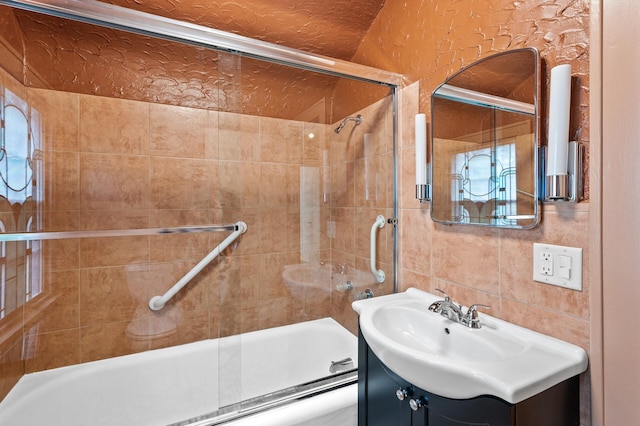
[{"x": 558, "y": 265}]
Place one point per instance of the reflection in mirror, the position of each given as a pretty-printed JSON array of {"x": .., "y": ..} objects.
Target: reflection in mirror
[{"x": 484, "y": 143}]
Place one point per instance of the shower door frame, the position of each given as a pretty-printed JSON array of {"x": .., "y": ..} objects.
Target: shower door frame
[{"x": 120, "y": 18}]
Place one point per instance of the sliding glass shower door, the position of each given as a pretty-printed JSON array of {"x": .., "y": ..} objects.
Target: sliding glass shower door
[
  {"x": 307, "y": 160},
  {"x": 137, "y": 156}
]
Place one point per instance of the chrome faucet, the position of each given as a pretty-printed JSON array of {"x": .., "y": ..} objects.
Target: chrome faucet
[
  {"x": 454, "y": 312},
  {"x": 447, "y": 308}
]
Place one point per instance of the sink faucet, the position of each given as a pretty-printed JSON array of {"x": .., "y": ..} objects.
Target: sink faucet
[{"x": 449, "y": 309}]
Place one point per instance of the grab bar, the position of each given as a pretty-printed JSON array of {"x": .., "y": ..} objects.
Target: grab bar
[
  {"x": 378, "y": 273},
  {"x": 157, "y": 302},
  {"x": 63, "y": 235}
]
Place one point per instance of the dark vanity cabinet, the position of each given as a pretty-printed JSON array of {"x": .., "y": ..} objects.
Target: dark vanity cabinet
[{"x": 385, "y": 399}]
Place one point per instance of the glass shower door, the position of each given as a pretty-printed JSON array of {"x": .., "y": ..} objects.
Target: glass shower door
[{"x": 310, "y": 195}]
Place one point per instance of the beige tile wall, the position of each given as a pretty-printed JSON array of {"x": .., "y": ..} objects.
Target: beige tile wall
[
  {"x": 362, "y": 189},
  {"x": 492, "y": 266},
  {"x": 120, "y": 164}
]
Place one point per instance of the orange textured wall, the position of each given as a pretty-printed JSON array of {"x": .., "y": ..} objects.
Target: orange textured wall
[
  {"x": 11, "y": 44},
  {"x": 316, "y": 26},
  {"x": 81, "y": 58},
  {"x": 427, "y": 41}
]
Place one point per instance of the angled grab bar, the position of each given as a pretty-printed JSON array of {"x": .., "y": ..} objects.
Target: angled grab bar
[
  {"x": 157, "y": 302},
  {"x": 378, "y": 273}
]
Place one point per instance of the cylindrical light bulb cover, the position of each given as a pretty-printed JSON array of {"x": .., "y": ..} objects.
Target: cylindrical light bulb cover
[
  {"x": 559, "y": 110},
  {"x": 421, "y": 149}
]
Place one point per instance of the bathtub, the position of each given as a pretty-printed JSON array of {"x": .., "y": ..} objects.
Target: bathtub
[{"x": 275, "y": 375}]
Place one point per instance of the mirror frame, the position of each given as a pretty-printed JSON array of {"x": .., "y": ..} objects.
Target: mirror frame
[{"x": 481, "y": 99}]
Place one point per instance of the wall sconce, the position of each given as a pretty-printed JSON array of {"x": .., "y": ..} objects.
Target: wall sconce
[
  {"x": 423, "y": 189},
  {"x": 563, "y": 158}
]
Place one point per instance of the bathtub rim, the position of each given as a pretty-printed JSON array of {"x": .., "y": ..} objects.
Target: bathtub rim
[{"x": 279, "y": 399}]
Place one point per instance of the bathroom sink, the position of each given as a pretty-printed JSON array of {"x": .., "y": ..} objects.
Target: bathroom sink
[
  {"x": 307, "y": 274},
  {"x": 449, "y": 359}
]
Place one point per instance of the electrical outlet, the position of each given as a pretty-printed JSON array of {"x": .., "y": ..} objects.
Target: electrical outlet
[
  {"x": 558, "y": 265},
  {"x": 546, "y": 263}
]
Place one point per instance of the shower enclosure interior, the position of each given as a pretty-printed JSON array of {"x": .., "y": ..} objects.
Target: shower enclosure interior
[{"x": 109, "y": 132}]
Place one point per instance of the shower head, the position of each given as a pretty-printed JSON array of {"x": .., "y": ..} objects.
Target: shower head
[{"x": 357, "y": 119}]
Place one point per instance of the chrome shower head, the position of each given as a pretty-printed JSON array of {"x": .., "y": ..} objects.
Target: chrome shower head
[{"x": 357, "y": 119}]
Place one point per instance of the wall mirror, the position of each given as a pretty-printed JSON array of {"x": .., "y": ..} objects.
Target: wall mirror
[{"x": 484, "y": 143}]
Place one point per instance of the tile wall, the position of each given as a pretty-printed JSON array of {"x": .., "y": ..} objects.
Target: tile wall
[
  {"x": 492, "y": 266},
  {"x": 120, "y": 164}
]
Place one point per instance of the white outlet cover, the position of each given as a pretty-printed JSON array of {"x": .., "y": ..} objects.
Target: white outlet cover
[{"x": 557, "y": 276}]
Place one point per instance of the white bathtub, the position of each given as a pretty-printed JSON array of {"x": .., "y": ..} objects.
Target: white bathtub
[{"x": 172, "y": 385}]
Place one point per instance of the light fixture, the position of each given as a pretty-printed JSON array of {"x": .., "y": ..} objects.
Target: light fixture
[
  {"x": 423, "y": 191},
  {"x": 563, "y": 158}
]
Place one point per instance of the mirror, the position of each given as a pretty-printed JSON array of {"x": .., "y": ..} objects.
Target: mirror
[{"x": 484, "y": 143}]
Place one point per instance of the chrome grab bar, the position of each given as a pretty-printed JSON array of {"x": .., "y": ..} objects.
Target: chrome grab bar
[
  {"x": 62, "y": 235},
  {"x": 157, "y": 302},
  {"x": 378, "y": 273}
]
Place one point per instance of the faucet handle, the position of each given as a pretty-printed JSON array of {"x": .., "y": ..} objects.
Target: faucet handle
[
  {"x": 472, "y": 312},
  {"x": 471, "y": 317},
  {"x": 446, "y": 296}
]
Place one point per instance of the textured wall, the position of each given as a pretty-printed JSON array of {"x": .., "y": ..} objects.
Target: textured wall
[
  {"x": 332, "y": 28},
  {"x": 11, "y": 44},
  {"x": 427, "y": 41},
  {"x": 82, "y": 58}
]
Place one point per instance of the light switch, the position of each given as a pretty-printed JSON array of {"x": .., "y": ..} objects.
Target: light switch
[
  {"x": 564, "y": 266},
  {"x": 565, "y": 261}
]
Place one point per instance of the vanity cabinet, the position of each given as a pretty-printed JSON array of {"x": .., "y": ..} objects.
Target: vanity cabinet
[{"x": 378, "y": 404}]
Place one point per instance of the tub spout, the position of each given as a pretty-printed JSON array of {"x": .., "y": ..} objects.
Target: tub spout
[{"x": 342, "y": 365}]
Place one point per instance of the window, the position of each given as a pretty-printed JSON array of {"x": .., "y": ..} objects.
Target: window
[{"x": 20, "y": 194}]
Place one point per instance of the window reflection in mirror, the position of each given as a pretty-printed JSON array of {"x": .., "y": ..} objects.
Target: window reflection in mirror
[{"x": 484, "y": 143}]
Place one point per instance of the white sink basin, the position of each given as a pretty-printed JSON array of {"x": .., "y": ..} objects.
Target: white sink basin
[
  {"x": 454, "y": 361},
  {"x": 307, "y": 275}
]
